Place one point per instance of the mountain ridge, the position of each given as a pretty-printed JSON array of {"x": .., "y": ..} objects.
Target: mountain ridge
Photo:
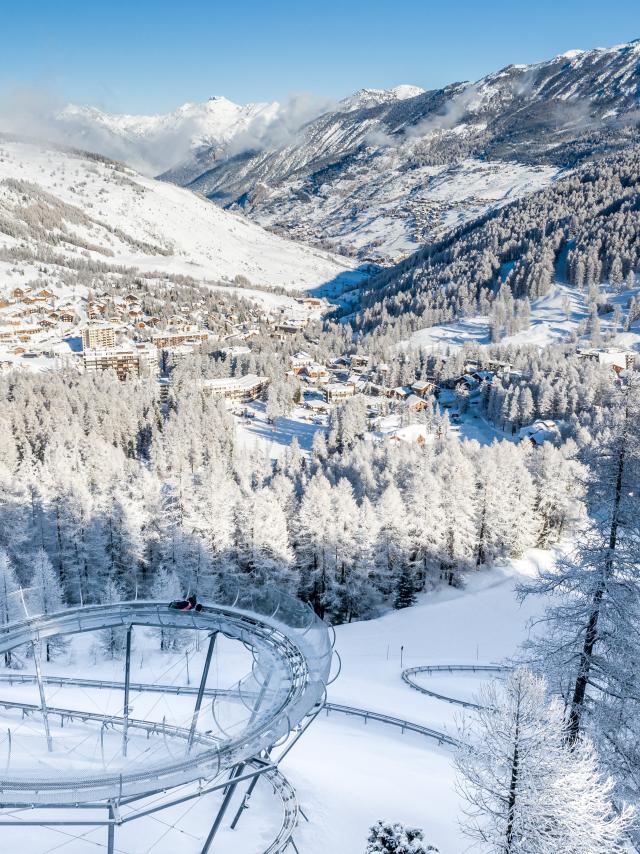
[{"x": 357, "y": 181}]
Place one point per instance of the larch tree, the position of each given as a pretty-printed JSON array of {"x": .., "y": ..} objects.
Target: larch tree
[
  {"x": 112, "y": 640},
  {"x": 166, "y": 587},
  {"x": 10, "y": 607},
  {"x": 525, "y": 789},
  {"x": 45, "y": 595},
  {"x": 590, "y": 630}
]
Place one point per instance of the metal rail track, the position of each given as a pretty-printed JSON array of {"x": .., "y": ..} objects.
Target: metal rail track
[
  {"x": 296, "y": 653},
  {"x": 399, "y": 723},
  {"x": 409, "y": 672},
  {"x": 365, "y": 714},
  {"x": 282, "y": 788}
]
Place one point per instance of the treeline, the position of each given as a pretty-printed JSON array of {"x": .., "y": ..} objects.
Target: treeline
[{"x": 116, "y": 491}]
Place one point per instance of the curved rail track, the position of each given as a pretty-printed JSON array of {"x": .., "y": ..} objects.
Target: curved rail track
[{"x": 430, "y": 669}]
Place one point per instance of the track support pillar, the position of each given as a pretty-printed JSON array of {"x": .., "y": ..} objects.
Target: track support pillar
[
  {"x": 245, "y": 801},
  {"x": 203, "y": 683},
  {"x": 127, "y": 686},
  {"x": 223, "y": 808},
  {"x": 111, "y": 832},
  {"x": 43, "y": 701}
]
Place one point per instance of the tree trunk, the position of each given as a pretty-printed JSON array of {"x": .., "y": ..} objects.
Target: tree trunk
[
  {"x": 513, "y": 785},
  {"x": 591, "y": 634}
]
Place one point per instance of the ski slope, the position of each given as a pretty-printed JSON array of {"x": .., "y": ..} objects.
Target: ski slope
[
  {"x": 349, "y": 774},
  {"x": 86, "y": 209}
]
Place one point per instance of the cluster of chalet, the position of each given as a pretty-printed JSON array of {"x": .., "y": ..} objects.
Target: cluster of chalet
[
  {"x": 29, "y": 315},
  {"x": 280, "y": 322},
  {"x": 39, "y": 321},
  {"x": 349, "y": 375},
  {"x": 475, "y": 375}
]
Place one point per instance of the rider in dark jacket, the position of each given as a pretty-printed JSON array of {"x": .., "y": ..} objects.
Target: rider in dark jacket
[{"x": 188, "y": 604}]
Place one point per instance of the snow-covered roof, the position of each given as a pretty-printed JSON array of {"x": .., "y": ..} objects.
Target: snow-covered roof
[
  {"x": 414, "y": 400},
  {"x": 540, "y": 431},
  {"x": 248, "y": 381}
]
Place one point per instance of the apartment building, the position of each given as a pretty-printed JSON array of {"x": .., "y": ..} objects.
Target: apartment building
[
  {"x": 138, "y": 361},
  {"x": 242, "y": 389},
  {"x": 98, "y": 336},
  {"x": 175, "y": 338}
]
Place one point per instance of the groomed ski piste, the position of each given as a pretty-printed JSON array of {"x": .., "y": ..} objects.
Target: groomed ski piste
[{"x": 223, "y": 756}]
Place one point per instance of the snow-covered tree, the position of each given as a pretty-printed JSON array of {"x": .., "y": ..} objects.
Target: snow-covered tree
[
  {"x": 45, "y": 595},
  {"x": 165, "y": 587},
  {"x": 112, "y": 640},
  {"x": 10, "y": 607},
  {"x": 589, "y": 636},
  {"x": 526, "y": 789},
  {"x": 386, "y": 837}
]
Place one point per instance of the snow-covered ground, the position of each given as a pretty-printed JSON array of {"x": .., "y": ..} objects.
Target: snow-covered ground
[
  {"x": 550, "y": 323},
  {"x": 347, "y": 774},
  {"x": 161, "y": 227},
  {"x": 254, "y": 430}
]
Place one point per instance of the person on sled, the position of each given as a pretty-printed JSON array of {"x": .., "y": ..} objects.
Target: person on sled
[{"x": 188, "y": 604}]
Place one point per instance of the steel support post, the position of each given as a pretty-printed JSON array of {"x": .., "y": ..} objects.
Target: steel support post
[
  {"x": 203, "y": 683},
  {"x": 43, "y": 702},
  {"x": 127, "y": 686},
  {"x": 245, "y": 802},
  {"x": 223, "y": 808},
  {"x": 260, "y": 698},
  {"x": 111, "y": 832}
]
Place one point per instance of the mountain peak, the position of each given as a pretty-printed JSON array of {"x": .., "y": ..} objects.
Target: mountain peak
[{"x": 373, "y": 97}]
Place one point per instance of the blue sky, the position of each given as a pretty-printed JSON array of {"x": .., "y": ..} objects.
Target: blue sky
[{"x": 150, "y": 57}]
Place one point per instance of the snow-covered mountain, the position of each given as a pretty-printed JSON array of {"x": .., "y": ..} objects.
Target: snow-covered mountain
[
  {"x": 64, "y": 213},
  {"x": 153, "y": 144},
  {"x": 375, "y": 97},
  {"x": 192, "y": 138},
  {"x": 385, "y": 171}
]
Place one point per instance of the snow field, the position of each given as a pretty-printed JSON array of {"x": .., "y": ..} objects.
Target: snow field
[
  {"x": 202, "y": 240},
  {"x": 349, "y": 774},
  {"x": 346, "y": 773}
]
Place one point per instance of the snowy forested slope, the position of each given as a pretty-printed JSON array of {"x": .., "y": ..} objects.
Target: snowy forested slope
[
  {"x": 373, "y": 179},
  {"x": 582, "y": 230},
  {"x": 76, "y": 212}
]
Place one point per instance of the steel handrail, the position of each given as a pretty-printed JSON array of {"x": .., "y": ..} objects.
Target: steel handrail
[{"x": 400, "y": 723}]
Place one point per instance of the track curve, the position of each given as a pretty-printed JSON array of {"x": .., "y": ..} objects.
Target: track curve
[
  {"x": 409, "y": 672},
  {"x": 282, "y": 788},
  {"x": 292, "y": 658}
]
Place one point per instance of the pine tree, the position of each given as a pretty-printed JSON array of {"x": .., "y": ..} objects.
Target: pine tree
[
  {"x": 404, "y": 590},
  {"x": 387, "y": 837}
]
